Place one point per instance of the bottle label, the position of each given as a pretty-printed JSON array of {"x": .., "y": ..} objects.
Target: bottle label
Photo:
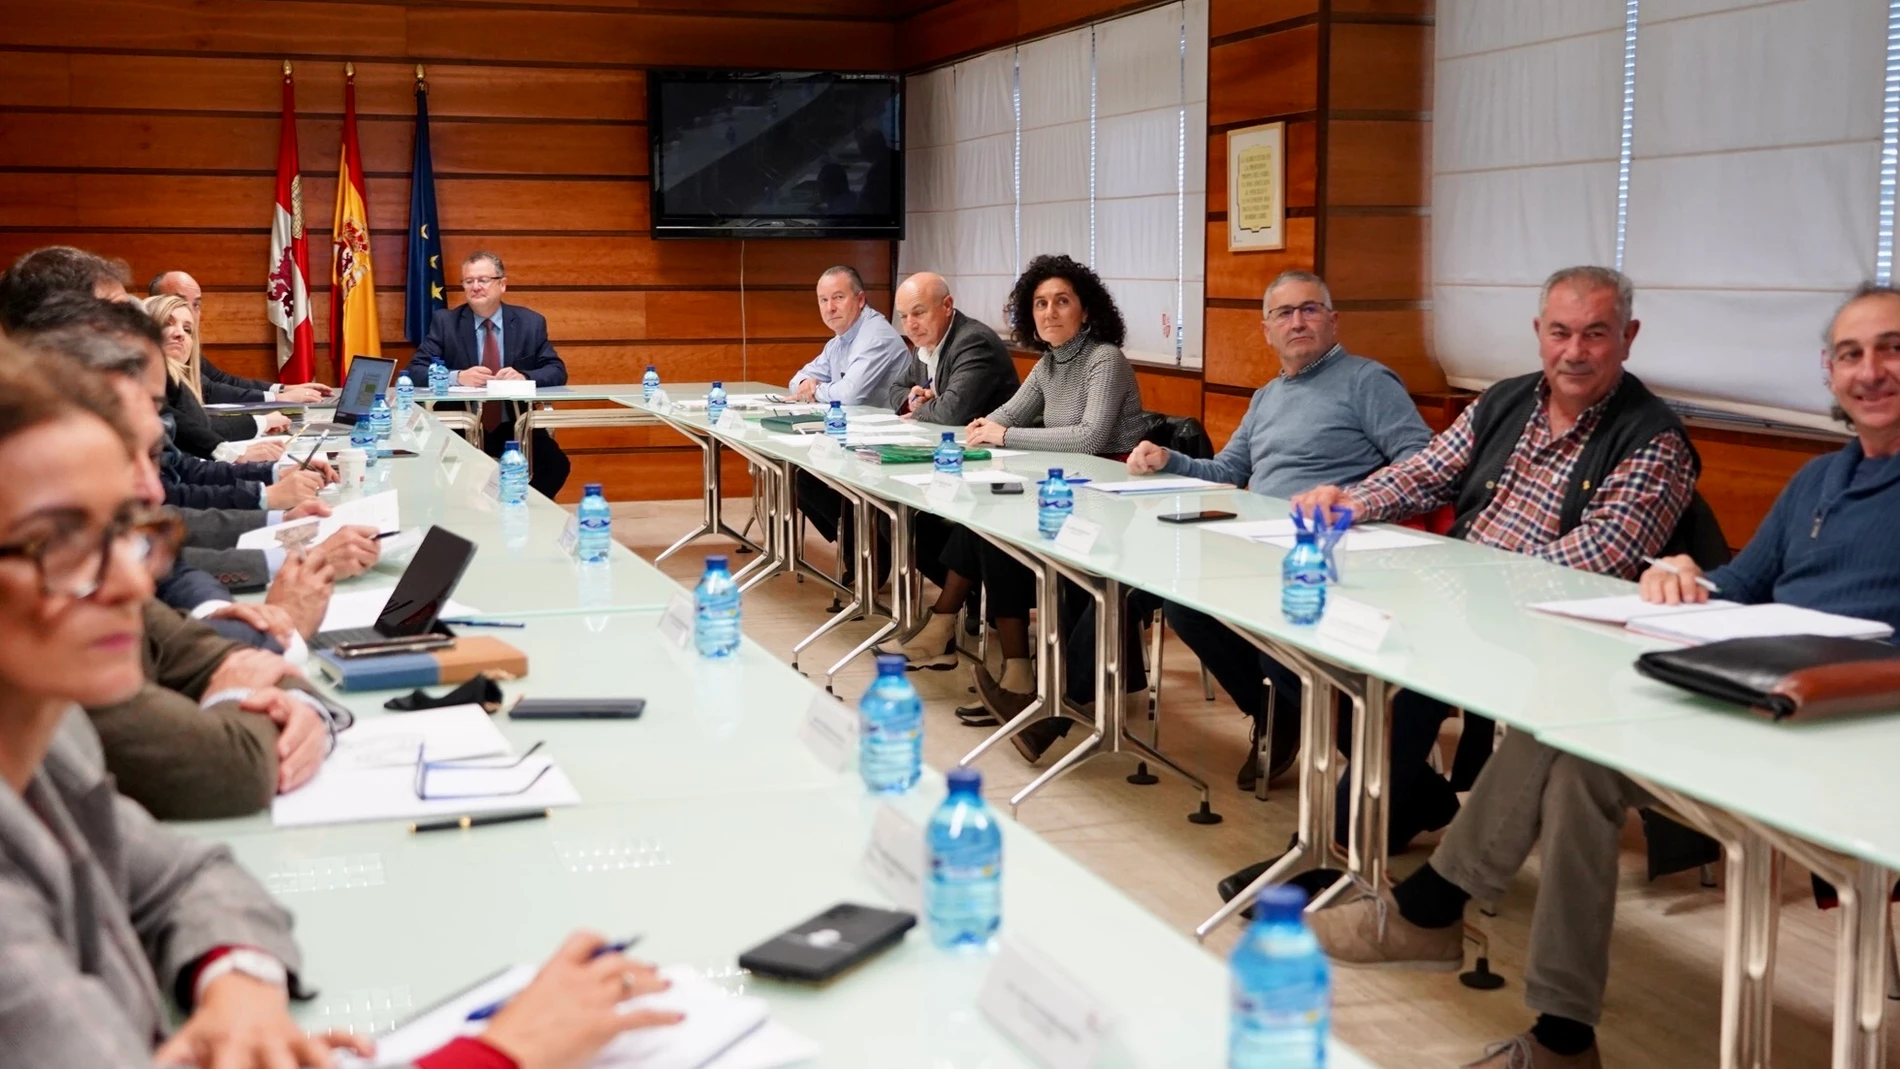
[{"x": 894, "y": 858}]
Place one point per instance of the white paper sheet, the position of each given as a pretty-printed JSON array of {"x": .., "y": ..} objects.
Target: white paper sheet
[
  {"x": 1621, "y": 608},
  {"x": 360, "y": 608},
  {"x": 1756, "y": 621},
  {"x": 1172, "y": 484},
  {"x": 510, "y": 388},
  {"x": 887, "y": 437},
  {"x": 792, "y": 439},
  {"x": 379, "y": 511},
  {"x": 719, "y": 1032},
  {"x": 981, "y": 475},
  {"x": 1281, "y": 533},
  {"x": 876, "y": 418},
  {"x": 452, "y": 733},
  {"x": 341, "y": 794}
]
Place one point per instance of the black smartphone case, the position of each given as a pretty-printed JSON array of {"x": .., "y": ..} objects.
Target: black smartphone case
[{"x": 824, "y": 946}]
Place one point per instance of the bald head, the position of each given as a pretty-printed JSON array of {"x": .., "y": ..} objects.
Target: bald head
[
  {"x": 924, "y": 308},
  {"x": 179, "y": 284}
]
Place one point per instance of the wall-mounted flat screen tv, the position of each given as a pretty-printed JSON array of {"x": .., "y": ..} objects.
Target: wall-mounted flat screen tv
[{"x": 751, "y": 154}]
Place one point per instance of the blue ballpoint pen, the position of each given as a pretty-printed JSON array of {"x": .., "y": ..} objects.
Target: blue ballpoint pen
[
  {"x": 483, "y": 623},
  {"x": 493, "y": 1008}
]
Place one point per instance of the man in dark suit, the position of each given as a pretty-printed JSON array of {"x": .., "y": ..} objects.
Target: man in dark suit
[
  {"x": 485, "y": 339},
  {"x": 962, "y": 370},
  {"x": 220, "y": 385}
]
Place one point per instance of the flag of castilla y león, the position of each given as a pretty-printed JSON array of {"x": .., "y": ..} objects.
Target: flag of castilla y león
[
  {"x": 287, "y": 285},
  {"x": 353, "y": 330}
]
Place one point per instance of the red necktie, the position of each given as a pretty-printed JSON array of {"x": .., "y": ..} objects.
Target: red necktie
[{"x": 491, "y": 359}]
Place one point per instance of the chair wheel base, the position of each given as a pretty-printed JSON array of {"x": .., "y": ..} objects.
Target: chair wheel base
[
  {"x": 1481, "y": 978},
  {"x": 1204, "y": 815},
  {"x": 742, "y": 549},
  {"x": 1141, "y": 777}
]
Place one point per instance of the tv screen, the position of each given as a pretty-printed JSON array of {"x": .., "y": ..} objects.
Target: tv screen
[{"x": 760, "y": 154}]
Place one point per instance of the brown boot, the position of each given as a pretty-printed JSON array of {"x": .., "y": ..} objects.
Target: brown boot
[
  {"x": 1524, "y": 1052},
  {"x": 1369, "y": 933}
]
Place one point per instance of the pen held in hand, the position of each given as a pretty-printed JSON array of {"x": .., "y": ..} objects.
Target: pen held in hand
[
  {"x": 304, "y": 464},
  {"x": 1664, "y": 565},
  {"x": 485, "y": 1012}
]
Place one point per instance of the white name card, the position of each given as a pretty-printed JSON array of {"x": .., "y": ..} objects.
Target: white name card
[
  {"x": 826, "y": 448},
  {"x": 676, "y": 623},
  {"x": 1058, "y": 1021},
  {"x": 1354, "y": 624},
  {"x": 830, "y": 732},
  {"x": 492, "y": 488},
  {"x": 571, "y": 535},
  {"x": 732, "y": 421},
  {"x": 511, "y": 387},
  {"x": 943, "y": 489},
  {"x": 660, "y": 401},
  {"x": 1078, "y": 535},
  {"x": 417, "y": 418},
  {"x": 894, "y": 858}
]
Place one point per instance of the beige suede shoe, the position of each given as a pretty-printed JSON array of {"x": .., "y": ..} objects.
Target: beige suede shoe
[
  {"x": 1524, "y": 1052},
  {"x": 1368, "y": 933}
]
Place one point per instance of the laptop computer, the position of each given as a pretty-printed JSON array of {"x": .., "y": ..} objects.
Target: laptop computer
[
  {"x": 416, "y": 603},
  {"x": 369, "y": 376}
]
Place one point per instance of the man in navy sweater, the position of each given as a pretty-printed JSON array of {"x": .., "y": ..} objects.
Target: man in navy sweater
[{"x": 1827, "y": 544}]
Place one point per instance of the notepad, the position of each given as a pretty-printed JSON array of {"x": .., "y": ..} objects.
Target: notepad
[
  {"x": 1620, "y": 609},
  {"x": 378, "y": 511},
  {"x": 1171, "y": 484},
  {"x": 1713, "y": 621}
]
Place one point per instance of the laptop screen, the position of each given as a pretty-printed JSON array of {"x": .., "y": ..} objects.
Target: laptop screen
[
  {"x": 426, "y": 584},
  {"x": 369, "y": 376}
]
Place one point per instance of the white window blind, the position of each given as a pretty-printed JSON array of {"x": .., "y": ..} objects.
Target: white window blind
[
  {"x": 1752, "y": 204},
  {"x": 1103, "y": 154}
]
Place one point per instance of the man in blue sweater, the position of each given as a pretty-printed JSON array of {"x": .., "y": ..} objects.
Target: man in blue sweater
[
  {"x": 1827, "y": 544},
  {"x": 1328, "y": 416}
]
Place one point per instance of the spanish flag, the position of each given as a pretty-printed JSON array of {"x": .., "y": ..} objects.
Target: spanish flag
[{"x": 353, "y": 330}]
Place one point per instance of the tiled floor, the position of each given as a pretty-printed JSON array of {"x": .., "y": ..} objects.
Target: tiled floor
[{"x": 1663, "y": 1001}]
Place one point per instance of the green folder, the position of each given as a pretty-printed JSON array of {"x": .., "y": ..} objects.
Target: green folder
[{"x": 919, "y": 454}]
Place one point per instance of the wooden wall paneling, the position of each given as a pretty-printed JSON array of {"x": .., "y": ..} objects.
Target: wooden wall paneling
[
  {"x": 1396, "y": 339},
  {"x": 1383, "y": 67},
  {"x": 1418, "y": 8},
  {"x": 1178, "y": 393},
  {"x": 1377, "y": 162},
  {"x": 1376, "y": 257},
  {"x": 1273, "y": 74},
  {"x": 1235, "y": 16},
  {"x": 1237, "y": 352},
  {"x": 1221, "y": 415},
  {"x": 650, "y": 40},
  {"x": 1243, "y": 276},
  {"x": 297, "y": 27},
  {"x": 1743, "y": 472},
  {"x": 1302, "y": 169}
]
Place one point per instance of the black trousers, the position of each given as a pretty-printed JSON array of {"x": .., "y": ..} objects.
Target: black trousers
[
  {"x": 1078, "y": 628},
  {"x": 1010, "y": 586},
  {"x": 1420, "y": 798},
  {"x": 835, "y": 521},
  {"x": 549, "y": 471}
]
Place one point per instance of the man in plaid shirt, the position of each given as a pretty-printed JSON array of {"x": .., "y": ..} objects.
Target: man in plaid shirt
[{"x": 1582, "y": 466}]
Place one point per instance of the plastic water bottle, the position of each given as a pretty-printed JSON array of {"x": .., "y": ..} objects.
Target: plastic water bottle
[
  {"x": 835, "y": 425},
  {"x": 597, "y": 526},
  {"x": 963, "y": 892},
  {"x": 439, "y": 378},
  {"x": 715, "y": 402},
  {"x": 363, "y": 436},
  {"x": 381, "y": 422},
  {"x": 890, "y": 729},
  {"x": 1303, "y": 581},
  {"x": 1054, "y": 502},
  {"x": 649, "y": 384},
  {"x": 405, "y": 398},
  {"x": 1282, "y": 991},
  {"x": 716, "y": 611},
  {"x": 948, "y": 459},
  {"x": 514, "y": 474}
]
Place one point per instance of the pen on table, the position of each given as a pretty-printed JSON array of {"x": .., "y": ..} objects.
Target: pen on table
[
  {"x": 483, "y": 623},
  {"x": 1673, "y": 570},
  {"x": 477, "y": 820},
  {"x": 493, "y": 1008}
]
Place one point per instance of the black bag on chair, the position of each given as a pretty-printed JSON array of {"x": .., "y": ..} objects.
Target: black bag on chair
[{"x": 1183, "y": 434}]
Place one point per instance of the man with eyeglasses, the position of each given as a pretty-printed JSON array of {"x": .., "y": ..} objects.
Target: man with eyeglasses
[
  {"x": 1327, "y": 417},
  {"x": 484, "y": 339}
]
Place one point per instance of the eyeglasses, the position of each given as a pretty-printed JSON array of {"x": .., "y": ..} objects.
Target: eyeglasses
[
  {"x": 73, "y": 560},
  {"x": 423, "y": 768},
  {"x": 1309, "y": 310},
  {"x": 472, "y": 283}
]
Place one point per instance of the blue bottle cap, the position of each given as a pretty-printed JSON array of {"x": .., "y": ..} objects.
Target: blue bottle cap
[
  {"x": 950, "y": 436},
  {"x": 716, "y": 562},
  {"x": 837, "y": 404},
  {"x": 1282, "y": 902},
  {"x": 891, "y": 664},
  {"x": 718, "y": 385},
  {"x": 965, "y": 779},
  {"x": 590, "y": 488},
  {"x": 649, "y": 367},
  {"x": 1055, "y": 473},
  {"x": 379, "y": 397},
  {"x": 512, "y": 444}
]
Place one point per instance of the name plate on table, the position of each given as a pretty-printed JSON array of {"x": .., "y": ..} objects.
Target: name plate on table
[
  {"x": 492, "y": 488},
  {"x": 731, "y": 422},
  {"x": 676, "y": 623},
  {"x": 417, "y": 419},
  {"x": 1058, "y": 1021},
  {"x": 511, "y": 387},
  {"x": 943, "y": 489},
  {"x": 1354, "y": 624},
  {"x": 1078, "y": 535},
  {"x": 894, "y": 859},
  {"x": 825, "y": 447},
  {"x": 830, "y": 732},
  {"x": 571, "y": 535}
]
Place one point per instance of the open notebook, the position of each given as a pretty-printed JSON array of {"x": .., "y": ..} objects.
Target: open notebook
[{"x": 1714, "y": 621}]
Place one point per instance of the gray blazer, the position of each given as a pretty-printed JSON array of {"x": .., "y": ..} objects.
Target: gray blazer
[
  {"x": 103, "y": 911},
  {"x": 211, "y": 545},
  {"x": 974, "y": 375}
]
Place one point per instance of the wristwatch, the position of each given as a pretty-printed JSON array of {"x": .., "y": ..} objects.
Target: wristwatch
[{"x": 252, "y": 963}]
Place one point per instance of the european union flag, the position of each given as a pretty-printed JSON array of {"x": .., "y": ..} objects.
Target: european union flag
[{"x": 427, "y": 290}]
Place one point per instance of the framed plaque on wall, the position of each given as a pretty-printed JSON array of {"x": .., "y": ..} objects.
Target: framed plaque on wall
[{"x": 1256, "y": 188}]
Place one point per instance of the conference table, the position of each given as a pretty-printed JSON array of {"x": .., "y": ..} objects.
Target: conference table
[
  {"x": 1461, "y": 631},
  {"x": 706, "y": 825}
]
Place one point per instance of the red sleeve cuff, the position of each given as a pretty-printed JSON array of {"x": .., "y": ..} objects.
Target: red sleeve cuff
[{"x": 466, "y": 1052}]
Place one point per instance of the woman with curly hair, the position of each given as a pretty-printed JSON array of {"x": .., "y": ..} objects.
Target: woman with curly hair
[{"x": 1081, "y": 397}]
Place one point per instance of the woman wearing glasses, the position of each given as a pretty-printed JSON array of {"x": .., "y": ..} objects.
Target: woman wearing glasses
[{"x": 106, "y": 915}]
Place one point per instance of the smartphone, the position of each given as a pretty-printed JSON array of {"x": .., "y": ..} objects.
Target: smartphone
[
  {"x": 385, "y": 646},
  {"x": 818, "y": 949},
  {"x": 577, "y": 709},
  {"x": 1006, "y": 488},
  {"x": 1195, "y": 517}
]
